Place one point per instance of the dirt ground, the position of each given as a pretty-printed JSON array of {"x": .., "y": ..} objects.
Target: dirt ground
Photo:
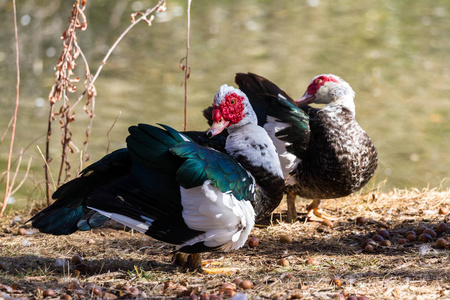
[{"x": 292, "y": 261}]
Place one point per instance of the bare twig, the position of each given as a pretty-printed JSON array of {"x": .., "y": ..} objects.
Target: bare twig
[
  {"x": 6, "y": 130},
  {"x": 8, "y": 187},
  {"x": 24, "y": 177},
  {"x": 110, "y": 129},
  {"x": 187, "y": 68}
]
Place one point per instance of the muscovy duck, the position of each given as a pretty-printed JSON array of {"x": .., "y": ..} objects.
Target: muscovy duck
[
  {"x": 175, "y": 190},
  {"x": 338, "y": 158}
]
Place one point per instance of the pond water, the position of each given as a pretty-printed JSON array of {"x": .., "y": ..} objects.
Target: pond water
[{"x": 395, "y": 55}]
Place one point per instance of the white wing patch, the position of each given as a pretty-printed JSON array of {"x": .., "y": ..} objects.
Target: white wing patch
[
  {"x": 127, "y": 221},
  {"x": 226, "y": 221},
  {"x": 288, "y": 160}
]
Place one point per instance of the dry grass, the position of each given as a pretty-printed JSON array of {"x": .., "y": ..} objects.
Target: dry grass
[{"x": 119, "y": 259}]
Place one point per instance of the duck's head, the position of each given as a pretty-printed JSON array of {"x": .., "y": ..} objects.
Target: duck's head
[
  {"x": 231, "y": 110},
  {"x": 326, "y": 89}
]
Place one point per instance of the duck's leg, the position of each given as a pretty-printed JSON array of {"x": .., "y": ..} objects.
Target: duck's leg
[
  {"x": 291, "y": 211},
  {"x": 315, "y": 213}
]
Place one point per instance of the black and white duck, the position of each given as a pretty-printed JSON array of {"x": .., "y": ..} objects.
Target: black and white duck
[
  {"x": 169, "y": 187},
  {"x": 324, "y": 152}
]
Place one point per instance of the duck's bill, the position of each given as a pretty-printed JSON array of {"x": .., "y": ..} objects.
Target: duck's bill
[
  {"x": 217, "y": 128},
  {"x": 305, "y": 100}
]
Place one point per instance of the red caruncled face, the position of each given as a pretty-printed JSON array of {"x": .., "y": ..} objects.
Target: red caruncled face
[
  {"x": 230, "y": 109},
  {"x": 318, "y": 82}
]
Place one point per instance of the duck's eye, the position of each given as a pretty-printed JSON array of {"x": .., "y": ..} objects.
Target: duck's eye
[
  {"x": 233, "y": 101},
  {"x": 318, "y": 81}
]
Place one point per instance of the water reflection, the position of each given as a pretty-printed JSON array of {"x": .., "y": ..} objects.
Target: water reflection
[{"x": 393, "y": 53}]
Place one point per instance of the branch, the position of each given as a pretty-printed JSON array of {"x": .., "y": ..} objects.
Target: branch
[
  {"x": 187, "y": 68},
  {"x": 11, "y": 146}
]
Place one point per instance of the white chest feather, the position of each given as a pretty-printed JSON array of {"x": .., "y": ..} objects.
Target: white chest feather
[
  {"x": 252, "y": 142},
  {"x": 225, "y": 220}
]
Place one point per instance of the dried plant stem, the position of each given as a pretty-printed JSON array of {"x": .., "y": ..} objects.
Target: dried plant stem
[
  {"x": 8, "y": 187},
  {"x": 108, "y": 134},
  {"x": 187, "y": 69}
]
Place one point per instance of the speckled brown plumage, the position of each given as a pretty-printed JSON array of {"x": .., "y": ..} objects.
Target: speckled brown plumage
[{"x": 340, "y": 158}]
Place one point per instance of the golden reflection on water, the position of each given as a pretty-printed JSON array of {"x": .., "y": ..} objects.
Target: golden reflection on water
[{"x": 395, "y": 54}]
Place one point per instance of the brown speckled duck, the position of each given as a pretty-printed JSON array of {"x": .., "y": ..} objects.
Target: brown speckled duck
[{"x": 331, "y": 158}]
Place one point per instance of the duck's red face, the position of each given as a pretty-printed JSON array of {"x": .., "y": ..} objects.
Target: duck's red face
[
  {"x": 229, "y": 111},
  {"x": 314, "y": 86}
]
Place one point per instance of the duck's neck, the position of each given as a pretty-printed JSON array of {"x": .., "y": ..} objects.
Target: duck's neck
[{"x": 342, "y": 102}]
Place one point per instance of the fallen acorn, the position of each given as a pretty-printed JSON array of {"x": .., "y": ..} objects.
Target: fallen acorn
[
  {"x": 76, "y": 259},
  {"x": 377, "y": 238},
  {"x": 441, "y": 243},
  {"x": 66, "y": 297},
  {"x": 425, "y": 238},
  {"x": 311, "y": 261},
  {"x": 283, "y": 262},
  {"x": 246, "y": 284},
  {"x": 253, "y": 242},
  {"x": 411, "y": 237},
  {"x": 369, "y": 249},
  {"x": 441, "y": 228},
  {"x": 285, "y": 239},
  {"x": 401, "y": 241},
  {"x": 385, "y": 243},
  {"x": 367, "y": 242},
  {"x": 48, "y": 293},
  {"x": 360, "y": 220},
  {"x": 337, "y": 281},
  {"x": 384, "y": 233},
  {"x": 410, "y": 232},
  {"x": 82, "y": 268},
  {"x": 421, "y": 228},
  {"x": 431, "y": 232}
]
